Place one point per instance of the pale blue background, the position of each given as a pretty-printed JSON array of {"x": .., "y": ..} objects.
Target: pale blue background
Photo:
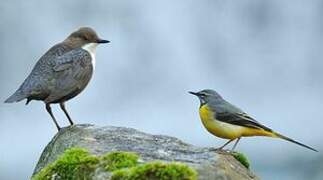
[{"x": 264, "y": 56}]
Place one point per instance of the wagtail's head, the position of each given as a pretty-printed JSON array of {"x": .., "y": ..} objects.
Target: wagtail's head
[
  {"x": 207, "y": 95},
  {"x": 84, "y": 36}
]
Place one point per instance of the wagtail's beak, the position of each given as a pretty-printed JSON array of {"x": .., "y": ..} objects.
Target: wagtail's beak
[
  {"x": 102, "y": 41},
  {"x": 194, "y": 93}
]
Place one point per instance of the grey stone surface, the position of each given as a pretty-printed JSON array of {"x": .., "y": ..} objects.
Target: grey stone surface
[{"x": 100, "y": 140}]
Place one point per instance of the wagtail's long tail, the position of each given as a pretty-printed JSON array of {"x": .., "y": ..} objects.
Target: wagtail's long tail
[{"x": 293, "y": 141}]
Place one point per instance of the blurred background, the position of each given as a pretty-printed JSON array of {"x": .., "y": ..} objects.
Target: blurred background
[{"x": 263, "y": 56}]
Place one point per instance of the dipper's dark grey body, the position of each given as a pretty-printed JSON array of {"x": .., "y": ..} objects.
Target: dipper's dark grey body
[{"x": 62, "y": 73}]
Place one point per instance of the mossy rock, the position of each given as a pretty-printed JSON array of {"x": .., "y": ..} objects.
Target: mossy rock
[
  {"x": 75, "y": 163},
  {"x": 78, "y": 163},
  {"x": 117, "y": 160},
  {"x": 124, "y": 146},
  {"x": 156, "y": 171}
]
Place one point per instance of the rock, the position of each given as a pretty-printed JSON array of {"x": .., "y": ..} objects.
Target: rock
[{"x": 101, "y": 140}]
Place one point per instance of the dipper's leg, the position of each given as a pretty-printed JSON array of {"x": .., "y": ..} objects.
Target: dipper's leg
[
  {"x": 49, "y": 110},
  {"x": 62, "y": 104}
]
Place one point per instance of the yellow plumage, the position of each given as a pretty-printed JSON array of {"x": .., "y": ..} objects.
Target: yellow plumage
[{"x": 226, "y": 130}]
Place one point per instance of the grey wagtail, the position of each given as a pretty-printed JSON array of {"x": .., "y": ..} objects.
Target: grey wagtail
[{"x": 225, "y": 120}]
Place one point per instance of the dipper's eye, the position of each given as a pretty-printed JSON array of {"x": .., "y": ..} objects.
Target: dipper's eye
[{"x": 84, "y": 37}]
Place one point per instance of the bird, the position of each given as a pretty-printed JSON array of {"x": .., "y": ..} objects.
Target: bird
[
  {"x": 224, "y": 120},
  {"x": 62, "y": 72}
]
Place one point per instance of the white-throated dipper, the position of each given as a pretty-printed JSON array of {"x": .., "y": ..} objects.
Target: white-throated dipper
[{"x": 62, "y": 72}]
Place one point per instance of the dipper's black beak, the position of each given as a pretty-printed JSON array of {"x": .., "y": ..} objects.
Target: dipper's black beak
[{"x": 102, "y": 41}]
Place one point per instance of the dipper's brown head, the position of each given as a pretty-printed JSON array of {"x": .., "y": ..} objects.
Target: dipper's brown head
[{"x": 83, "y": 36}]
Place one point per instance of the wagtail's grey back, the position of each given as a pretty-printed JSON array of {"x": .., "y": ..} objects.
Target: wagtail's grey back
[{"x": 62, "y": 72}]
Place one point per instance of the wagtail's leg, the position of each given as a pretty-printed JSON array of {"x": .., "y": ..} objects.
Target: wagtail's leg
[
  {"x": 220, "y": 148},
  {"x": 49, "y": 110},
  {"x": 235, "y": 144},
  {"x": 62, "y": 104}
]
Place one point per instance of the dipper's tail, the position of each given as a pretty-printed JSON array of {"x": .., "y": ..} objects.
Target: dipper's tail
[{"x": 16, "y": 97}]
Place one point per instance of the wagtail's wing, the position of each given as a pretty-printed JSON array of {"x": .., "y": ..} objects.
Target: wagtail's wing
[
  {"x": 240, "y": 120},
  {"x": 228, "y": 113}
]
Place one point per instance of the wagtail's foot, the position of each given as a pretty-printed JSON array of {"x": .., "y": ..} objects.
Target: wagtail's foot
[
  {"x": 213, "y": 149},
  {"x": 219, "y": 150}
]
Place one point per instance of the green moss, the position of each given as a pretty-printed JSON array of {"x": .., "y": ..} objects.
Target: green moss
[
  {"x": 156, "y": 170},
  {"x": 75, "y": 163},
  {"x": 117, "y": 160},
  {"x": 78, "y": 163},
  {"x": 242, "y": 159}
]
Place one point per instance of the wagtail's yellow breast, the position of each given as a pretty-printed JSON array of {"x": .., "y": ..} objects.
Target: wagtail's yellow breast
[
  {"x": 219, "y": 128},
  {"x": 226, "y": 130}
]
